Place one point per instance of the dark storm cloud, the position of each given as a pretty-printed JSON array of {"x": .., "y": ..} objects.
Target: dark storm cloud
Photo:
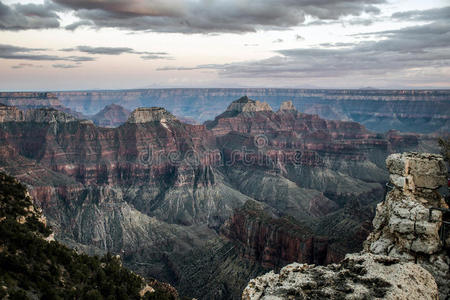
[
  {"x": 22, "y": 53},
  {"x": 425, "y": 46},
  {"x": 28, "y": 16},
  {"x": 207, "y": 16}
]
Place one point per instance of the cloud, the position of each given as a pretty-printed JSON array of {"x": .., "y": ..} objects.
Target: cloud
[
  {"x": 206, "y": 16},
  {"x": 33, "y": 54},
  {"x": 100, "y": 50},
  {"x": 156, "y": 55},
  {"x": 64, "y": 66},
  {"x": 145, "y": 55},
  {"x": 78, "y": 24},
  {"x": 411, "y": 48},
  {"x": 435, "y": 14},
  {"x": 26, "y": 65},
  {"x": 28, "y": 16}
]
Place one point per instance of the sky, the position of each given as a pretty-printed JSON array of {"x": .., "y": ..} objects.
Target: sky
[{"x": 125, "y": 44}]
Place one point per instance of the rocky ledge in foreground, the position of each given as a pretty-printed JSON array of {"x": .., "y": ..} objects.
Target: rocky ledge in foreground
[
  {"x": 405, "y": 257},
  {"x": 365, "y": 276}
]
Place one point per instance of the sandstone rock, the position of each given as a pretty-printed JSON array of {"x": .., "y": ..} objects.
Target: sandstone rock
[
  {"x": 287, "y": 106},
  {"x": 151, "y": 114},
  {"x": 10, "y": 114},
  {"x": 246, "y": 104},
  {"x": 417, "y": 170},
  {"x": 358, "y": 276},
  {"x": 48, "y": 115}
]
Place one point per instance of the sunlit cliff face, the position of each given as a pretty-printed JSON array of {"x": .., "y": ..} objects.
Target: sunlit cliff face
[{"x": 91, "y": 44}]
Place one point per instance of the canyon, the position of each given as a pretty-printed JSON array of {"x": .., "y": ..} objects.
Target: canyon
[{"x": 203, "y": 207}]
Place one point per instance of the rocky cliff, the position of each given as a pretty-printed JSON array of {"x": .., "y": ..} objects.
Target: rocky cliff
[
  {"x": 152, "y": 114},
  {"x": 33, "y": 100},
  {"x": 274, "y": 241},
  {"x": 404, "y": 257}
]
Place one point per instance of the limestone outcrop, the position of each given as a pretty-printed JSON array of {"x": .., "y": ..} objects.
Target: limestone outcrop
[
  {"x": 287, "y": 106},
  {"x": 405, "y": 256},
  {"x": 40, "y": 115},
  {"x": 408, "y": 223},
  {"x": 151, "y": 114},
  {"x": 245, "y": 104}
]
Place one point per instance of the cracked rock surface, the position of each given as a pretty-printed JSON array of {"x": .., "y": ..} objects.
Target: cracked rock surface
[{"x": 358, "y": 276}]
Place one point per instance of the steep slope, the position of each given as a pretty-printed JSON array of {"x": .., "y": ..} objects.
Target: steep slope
[{"x": 33, "y": 265}]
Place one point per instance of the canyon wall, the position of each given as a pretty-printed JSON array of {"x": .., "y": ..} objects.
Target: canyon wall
[{"x": 172, "y": 198}]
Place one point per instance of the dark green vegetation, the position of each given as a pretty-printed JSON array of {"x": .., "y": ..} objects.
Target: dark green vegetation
[{"x": 32, "y": 267}]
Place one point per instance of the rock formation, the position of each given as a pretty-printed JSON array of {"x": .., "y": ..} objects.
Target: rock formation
[
  {"x": 245, "y": 104},
  {"x": 403, "y": 258},
  {"x": 10, "y": 114},
  {"x": 112, "y": 115},
  {"x": 287, "y": 106},
  {"x": 364, "y": 276},
  {"x": 274, "y": 241},
  {"x": 406, "y": 226},
  {"x": 33, "y": 100},
  {"x": 152, "y": 114}
]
